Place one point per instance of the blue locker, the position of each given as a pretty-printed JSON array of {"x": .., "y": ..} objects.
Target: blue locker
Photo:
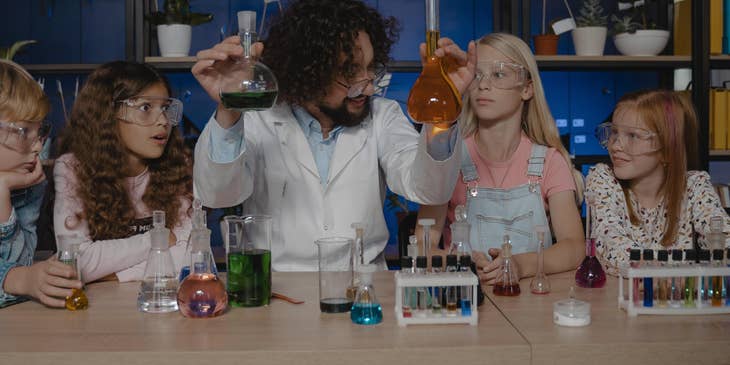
[
  {"x": 591, "y": 101},
  {"x": 107, "y": 45},
  {"x": 557, "y": 92},
  {"x": 57, "y": 29}
]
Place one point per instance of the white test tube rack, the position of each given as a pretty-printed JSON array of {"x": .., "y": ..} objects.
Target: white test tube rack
[
  {"x": 431, "y": 279},
  {"x": 695, "y": 271}
]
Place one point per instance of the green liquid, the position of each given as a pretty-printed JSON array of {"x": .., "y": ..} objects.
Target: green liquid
[
  {"x": 251, "y": 100},
  {"x": 249, "y": 278}
]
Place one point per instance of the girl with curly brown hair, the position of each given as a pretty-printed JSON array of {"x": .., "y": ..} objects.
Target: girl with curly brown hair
[{"x": 121, "y": 159}]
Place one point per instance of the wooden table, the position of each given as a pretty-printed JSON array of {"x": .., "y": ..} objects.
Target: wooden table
[
  {"x": 112, "y": 331},
  {"x": 612, "y": 337}
]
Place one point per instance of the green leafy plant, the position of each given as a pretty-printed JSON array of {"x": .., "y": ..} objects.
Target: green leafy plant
[
  {"x": 632, "y": 17},
  {"x": 178, "y": 12},
  {"x": 10, "y": 52},
  {"x": 591, "y": 14}
]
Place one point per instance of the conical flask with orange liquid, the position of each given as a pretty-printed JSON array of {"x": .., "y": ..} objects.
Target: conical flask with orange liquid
[{"x": 433, "y": 99}]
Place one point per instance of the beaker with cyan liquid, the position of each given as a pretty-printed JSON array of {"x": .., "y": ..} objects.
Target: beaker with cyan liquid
[
  {"x": 335, "y": 274},
  {"x": 248, "y": 259}
]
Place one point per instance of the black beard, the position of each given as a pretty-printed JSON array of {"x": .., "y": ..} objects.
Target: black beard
[{"x": 342, "y": 117}]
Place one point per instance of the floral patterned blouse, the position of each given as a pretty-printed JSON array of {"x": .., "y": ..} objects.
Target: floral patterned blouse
[{"x": 614, "y": 233}]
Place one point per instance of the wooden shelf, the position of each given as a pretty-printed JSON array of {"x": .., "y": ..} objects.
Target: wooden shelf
[
  {"x": 611, "y": 62},
  {"x": 720, "y": 61},
  {"x": 719, "y": 155},
  {"x": 172, "y": 63},
  {"x": 61, "y": 68}
]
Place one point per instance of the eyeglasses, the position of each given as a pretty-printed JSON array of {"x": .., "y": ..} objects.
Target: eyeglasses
[
  {"x": 356, "y": 88},
  {"x": 147, "y": 110},
  {"x": 634, "y": 141},
  {"x": 501, "y": 75},
  {"x": 22, "y": 138}
]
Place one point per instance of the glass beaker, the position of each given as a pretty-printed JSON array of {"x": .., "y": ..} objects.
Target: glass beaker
[
  {"x": 248, "y": 84},
  {"x": 248, "y": 259},
  {"x": 335, "y": 273},
  {"x": 68, "y": 251},
  {"x": 433, "y": 98}
]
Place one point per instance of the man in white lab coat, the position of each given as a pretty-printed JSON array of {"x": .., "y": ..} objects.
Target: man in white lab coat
[{"x": 320, "y": 159}]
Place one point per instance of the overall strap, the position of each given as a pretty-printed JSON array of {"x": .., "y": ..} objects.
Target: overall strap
[
  {"x": 536, "y": 162},
  {"x": 468, "y": 168}
]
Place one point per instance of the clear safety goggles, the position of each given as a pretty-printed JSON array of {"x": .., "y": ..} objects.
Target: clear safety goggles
[
  {"x": 21, "y": 136},
  {"x": 356, "y": 88},
  {"x": 633, "y": 140},
  {"x": 499, "y": 74},
  {"x": 150, "y": 110}
]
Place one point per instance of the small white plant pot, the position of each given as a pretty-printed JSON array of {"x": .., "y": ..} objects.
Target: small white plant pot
[
  {"x": 647, "y": 42},
  {"x": 589, "y": 41},
  {"x": 174, "y": 39}
]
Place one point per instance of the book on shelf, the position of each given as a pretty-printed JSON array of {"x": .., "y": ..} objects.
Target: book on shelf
[
  {"x": 726, "y": 27},
  {"x": 718, "y": 119},
  {"x": 682, "y": 25}
]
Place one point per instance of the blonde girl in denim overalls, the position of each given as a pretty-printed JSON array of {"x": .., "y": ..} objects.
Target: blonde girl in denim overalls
[{"x": 506, "y": 102}]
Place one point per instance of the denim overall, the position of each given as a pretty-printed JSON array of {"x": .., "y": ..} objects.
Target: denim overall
[{"x": 494, "y": 212}]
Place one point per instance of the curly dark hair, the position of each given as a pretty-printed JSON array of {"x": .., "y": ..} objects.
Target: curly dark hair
[
  {"x": 92, "y": 136},
  {"x": 306, "y": 42}
]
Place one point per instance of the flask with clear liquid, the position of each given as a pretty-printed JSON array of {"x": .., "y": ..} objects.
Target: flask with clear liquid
[
  {"x": 460, "y": 243},
  {"x": 509, "y": 284},
  {"x": 433, "y": 98},
  {"x": 202, "y": 294},
  {"x": 540, "y": 283},
  {"x": 68, "y": 251},
  {"x": 248, "y": 84},
  {"x": 158, "y": 291},
  {"x": 366, "y": 308}
]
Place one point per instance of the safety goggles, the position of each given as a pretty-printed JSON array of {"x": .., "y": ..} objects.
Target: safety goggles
[
  {"x": 22, "y": 135},
  {"x": 356, "y": 88},
  {"x": 499, "y": 74},
  {"x": 633, "y": 140},
  {"x": 150, "y": 110}
]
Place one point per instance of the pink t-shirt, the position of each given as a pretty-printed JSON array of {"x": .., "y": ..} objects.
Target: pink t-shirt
[{"x": 556, "y": 176}]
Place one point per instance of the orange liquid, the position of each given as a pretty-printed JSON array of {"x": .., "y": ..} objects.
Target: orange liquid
[
  {"x": 77, "y": 300},
  {"x": 434, "y": 98},
  {"x": 506, "y": 290}
]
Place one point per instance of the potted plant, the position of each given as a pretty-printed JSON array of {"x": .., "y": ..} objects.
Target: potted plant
[
  {"x": 545, "y": 43},
  {"x": 635, "y": 34},
  {"x": 174, "y": 26},
  {"x": 589, "y": 37},
  {"x": 9, "y": 53}
]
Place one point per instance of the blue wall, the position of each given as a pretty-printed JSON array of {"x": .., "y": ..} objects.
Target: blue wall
[{"x": 93, "y": 31}]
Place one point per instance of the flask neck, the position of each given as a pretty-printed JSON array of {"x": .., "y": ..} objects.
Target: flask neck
[
  {"x": 248, "y": 38},
  {"x": 590, "y": 247}
]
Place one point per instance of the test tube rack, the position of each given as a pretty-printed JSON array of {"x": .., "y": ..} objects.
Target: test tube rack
[
  {"x": 431, "y": 279},
  {"x": 695, "y": 271}
]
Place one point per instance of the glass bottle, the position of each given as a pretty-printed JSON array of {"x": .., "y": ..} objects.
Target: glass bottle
[
  {"x": 635, "y": 262},
  {"x": 202, "y": 294},
  {"x": 158, "y": 291},
  {"x": 366, "y": 309},
  {"x": 460, "y": 243},
  {"x": 357, "y": 256},
  {"x": 426, "y": 224},
  {"x": 590, "y": 273},
  {"x": 248, "y": 84},
  {"x": 663, "y": 282},
  {"x": 540, "y": 283},
  {"x": 433, "y": 98},
  {"x": 509, "y": 284},
  {"x": 68, "y": 253}
]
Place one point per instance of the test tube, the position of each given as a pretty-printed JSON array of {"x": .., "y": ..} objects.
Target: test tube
[
  {"x": 451, "y": 295},
  {"x": 727, "y": 278},
  {"x": 705, "y": 283},
  {"x": 689, "y": 281},
  {"x": 663, "y": 285},
  {"x": 466, "y": 290},
  {"x": 677, "y": 281},
  {"x": 648, "y": 256},
  {"x": 717, "y": 256},
  {"x": 406, "y": 267},
  {"x": 422, "y": 298},
  {"x": 437, "y": 291},
  {"x": 635, "y": 262}
]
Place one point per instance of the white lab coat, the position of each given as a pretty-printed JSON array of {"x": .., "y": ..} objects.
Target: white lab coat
[{"x": 276, "y": 175}]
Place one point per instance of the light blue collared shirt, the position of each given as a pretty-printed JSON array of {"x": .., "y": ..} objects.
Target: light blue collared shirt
[{"x": 322, "y": 149}]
